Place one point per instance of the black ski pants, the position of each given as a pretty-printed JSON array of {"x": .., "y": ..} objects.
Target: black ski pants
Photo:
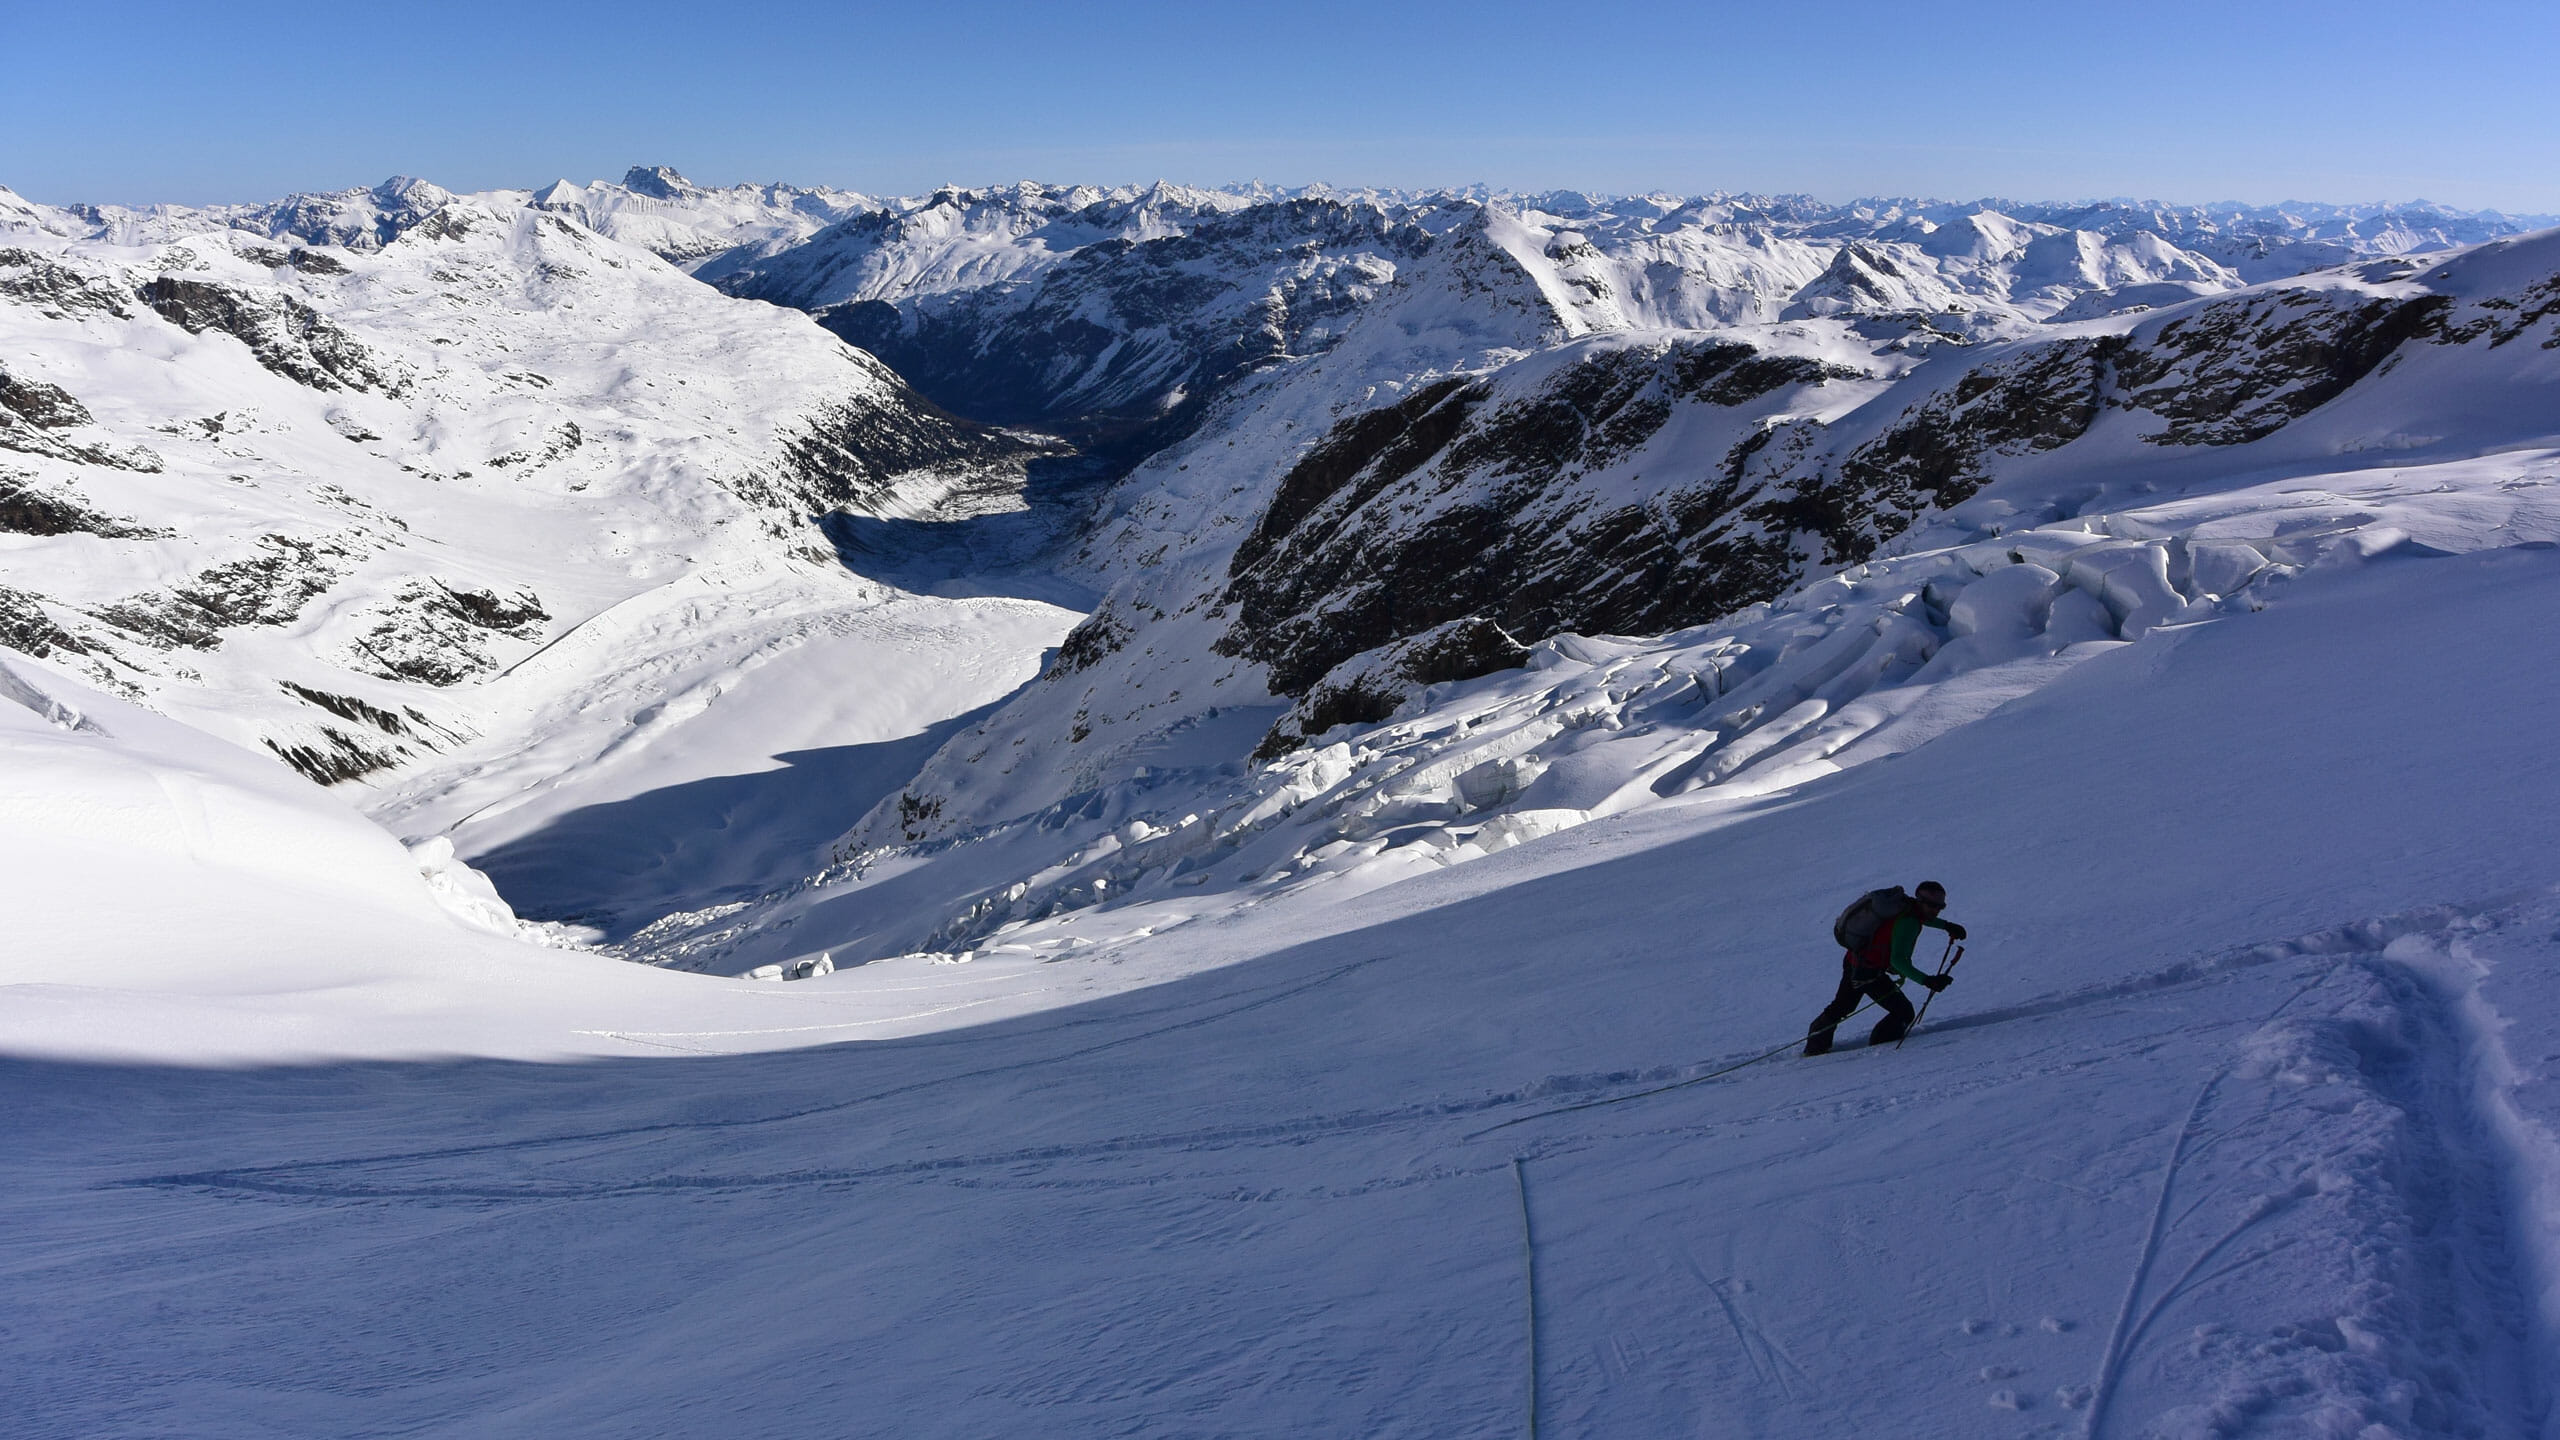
[{"x": 1860, "y": 984}]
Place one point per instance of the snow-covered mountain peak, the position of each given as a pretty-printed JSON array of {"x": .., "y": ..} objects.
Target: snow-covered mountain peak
[{"x": 658, "y": 182}]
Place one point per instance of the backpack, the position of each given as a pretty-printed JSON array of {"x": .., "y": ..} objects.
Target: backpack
[{"x": 1866, "y": 915}]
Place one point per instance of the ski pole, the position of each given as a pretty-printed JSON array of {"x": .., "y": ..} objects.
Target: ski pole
[{"x": 1955, "y": 953}]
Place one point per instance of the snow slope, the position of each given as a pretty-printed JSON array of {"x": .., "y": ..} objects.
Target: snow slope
[{"x": 2235, "y": 1123}]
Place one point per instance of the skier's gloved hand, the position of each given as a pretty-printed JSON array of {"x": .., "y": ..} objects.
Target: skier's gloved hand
[
  {"x": 1937, "y": 983},
  {"x": 1955, "y": 929}
]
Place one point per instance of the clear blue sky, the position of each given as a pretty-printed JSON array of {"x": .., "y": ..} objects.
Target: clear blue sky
[{"x": 2349, "y": 100}]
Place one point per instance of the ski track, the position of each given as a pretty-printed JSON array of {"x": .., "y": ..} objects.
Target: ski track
[
  {"x": 2456, "y": 1332},
  {"x": 261, "y": 1180},
  {"x": 275, "y": 1181},
  {"x": 251, "y": 1179}
]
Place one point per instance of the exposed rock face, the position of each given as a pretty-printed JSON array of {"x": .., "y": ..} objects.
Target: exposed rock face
[
  {"x": 1938, "y": 451},
  {"x": 328, "y": 754},
  {"x": 1471, "y": 510},
  {"x": 46, "y": 407},
  {"x": 26, "y": 510},
  {"x": 434, "y": 634},
  {"x": 336, "y": 756},
  {"x": 846, "y": 455},
  {"x": 1367, "y": 688},
  {"x": 658, "y": 182},
  {"x": 286, "y": 335},
  {"x": 269, "y": 588},
  {"x": 2241, "y": 369},
  {"x": 32, "y": 413},
  {"x": 56, "y": 290},
  {"x": 25, "y": 626}
]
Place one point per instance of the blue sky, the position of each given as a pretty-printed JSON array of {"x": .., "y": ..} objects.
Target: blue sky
[{"x": 2351, "y": 100}]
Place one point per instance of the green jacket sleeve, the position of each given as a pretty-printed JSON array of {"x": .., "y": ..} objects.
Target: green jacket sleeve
[{"x": 1906, "y": 934}]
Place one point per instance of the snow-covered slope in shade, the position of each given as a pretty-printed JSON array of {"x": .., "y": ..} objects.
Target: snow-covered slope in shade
[{"x": 2235, "y": 1121}]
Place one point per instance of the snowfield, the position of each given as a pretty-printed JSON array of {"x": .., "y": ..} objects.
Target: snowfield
[
  {"x": 1260, "y": 966},
  {"x": 2237, "y": 1121}
]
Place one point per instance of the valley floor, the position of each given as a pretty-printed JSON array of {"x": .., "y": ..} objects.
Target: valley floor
[{"x": 2238, "y": 1121}]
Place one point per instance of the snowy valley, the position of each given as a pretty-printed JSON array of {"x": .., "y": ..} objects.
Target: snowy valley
[{"x": 1073, "y": 810}]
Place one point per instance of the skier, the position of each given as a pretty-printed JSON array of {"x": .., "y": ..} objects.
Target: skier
[{"x": 1876, "y": 968}]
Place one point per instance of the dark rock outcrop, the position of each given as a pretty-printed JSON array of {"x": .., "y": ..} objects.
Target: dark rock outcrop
[
  {"x": 33, "y": 412},
  {"x": 1368, "y": 688},
  {"x": 348, "y": 707},
  {"x": 434, "y": 634},
  {"x": 46, "y": 407},
  {"x": 1938, "y": 451},
  {"x": 2241, "y": 369},
  {"x": 57, "y": 290},
  {"x": 847, "y": 454},
  {"x": 25, "y": 627},
  {"x": 26, "y": 510},
  {"x": 1453, "y": 508},
  {"x": 336, "y": 756},
  {"x": 285, "y": 335},
  {"x": 269, "y": 588}
]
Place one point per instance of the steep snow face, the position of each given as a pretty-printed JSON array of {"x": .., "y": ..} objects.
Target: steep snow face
[{"x": 322, "y": 498}]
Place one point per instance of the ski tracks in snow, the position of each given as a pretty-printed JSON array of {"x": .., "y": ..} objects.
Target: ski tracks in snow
[
  {"x": 2342, "y": 1135},
  {"x": 2349, "y": 1131},
  {"x": 333, "y": 1178}
]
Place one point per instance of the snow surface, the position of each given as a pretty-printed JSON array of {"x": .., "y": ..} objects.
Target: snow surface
[{"x": 2235, "y": 1122}]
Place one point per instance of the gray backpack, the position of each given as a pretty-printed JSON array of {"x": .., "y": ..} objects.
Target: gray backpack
[{"x": 1866, "y": 915}]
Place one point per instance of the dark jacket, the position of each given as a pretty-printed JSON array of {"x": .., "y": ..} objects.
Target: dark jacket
[{"x": 1888, "y": 951}]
